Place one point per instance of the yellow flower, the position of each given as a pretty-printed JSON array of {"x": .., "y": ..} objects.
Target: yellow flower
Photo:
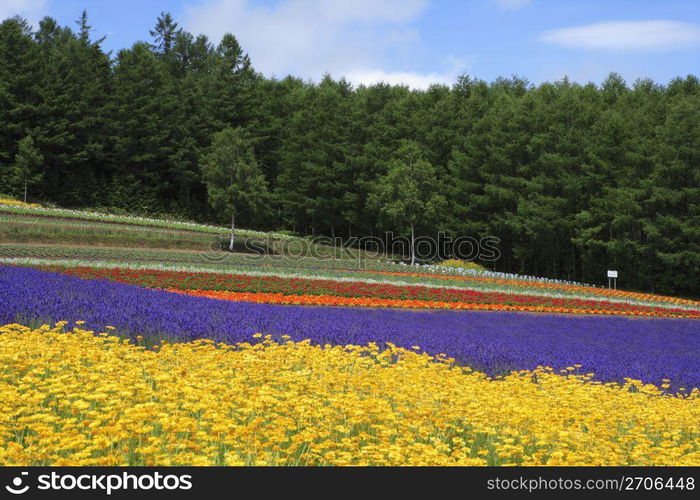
[{"x": 83, "y": 399}]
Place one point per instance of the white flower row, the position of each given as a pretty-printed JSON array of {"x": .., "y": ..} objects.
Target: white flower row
[{"x": 436, "y": 268}]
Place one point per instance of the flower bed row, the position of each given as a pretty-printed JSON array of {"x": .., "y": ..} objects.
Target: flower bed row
[
  {"x": 589, "y": 290},
  {"x": 330, "y": 292},
  {"x": 331, "y": 300}
]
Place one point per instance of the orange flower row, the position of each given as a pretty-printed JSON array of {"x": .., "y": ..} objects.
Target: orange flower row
[
  {"x": 330, "y": 300},
  {"x": 556, "y": 286}
]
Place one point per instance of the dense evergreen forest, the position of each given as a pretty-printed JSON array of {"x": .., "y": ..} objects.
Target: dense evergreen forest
[{"x": 574, "y": 179}]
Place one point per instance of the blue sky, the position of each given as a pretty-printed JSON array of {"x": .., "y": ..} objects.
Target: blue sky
[{"x": 419, "y": 41}]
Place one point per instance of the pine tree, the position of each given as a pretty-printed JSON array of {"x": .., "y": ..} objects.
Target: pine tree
[
  {"x": 139, "y": 132},
  {"x": 315, "y": 174},
  {"x": 20, "y": 98},
  {"x": 73, "y": 86},
  {"x": 232, "y": 84},
  {"x": 164, "y": 34},
  {"x": 673, "y": 204}
]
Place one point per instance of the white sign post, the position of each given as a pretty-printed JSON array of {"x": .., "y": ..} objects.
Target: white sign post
[{"x": 612, "y": 275}]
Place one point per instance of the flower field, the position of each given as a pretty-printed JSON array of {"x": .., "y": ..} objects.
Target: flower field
[
  {"x": 226, "y": 365},
  {"x": 614, "y": 348},
  {"x": 226, "y": 256},
  {"x": 102, "y": 400},
  {"x": 328, "y": 292}
]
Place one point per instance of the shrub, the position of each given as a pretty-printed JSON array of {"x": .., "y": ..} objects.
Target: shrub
[{"x": 463, "y": 264}]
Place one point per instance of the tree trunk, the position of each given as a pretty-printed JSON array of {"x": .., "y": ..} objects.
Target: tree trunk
[
  {"x": 233, "y": 226},
  {"x": 413, "y": 245},
  {"x": 25, "y": 191}
]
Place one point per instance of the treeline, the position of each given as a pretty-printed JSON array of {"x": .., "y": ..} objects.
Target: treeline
[{"x": 573, "y": 179}]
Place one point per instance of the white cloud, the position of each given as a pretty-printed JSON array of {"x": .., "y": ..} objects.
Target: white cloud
[
  {"x": 454, "y": 68},
  {"x": 413, "y": 80},
  {"x": 307, "y": 38},
  {"x": 511, "y": 4},
  {"x": 32, "y": 10},
  {"x": 626, "y": 35}
]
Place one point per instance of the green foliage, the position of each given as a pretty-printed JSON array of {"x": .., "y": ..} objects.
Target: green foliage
[
  {"x": 235, "y": 184},
  {"x": 408, "y": 194},
  {"x": 26, "y": 171}
]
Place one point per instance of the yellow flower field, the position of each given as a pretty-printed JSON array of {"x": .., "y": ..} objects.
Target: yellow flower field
[{"x": 78, "y": 398}]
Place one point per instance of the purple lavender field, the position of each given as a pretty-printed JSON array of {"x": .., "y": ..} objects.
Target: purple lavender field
[{"x": 494, "y": 342}]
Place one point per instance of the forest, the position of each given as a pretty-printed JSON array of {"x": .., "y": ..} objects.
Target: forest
[{"x": 573, "y": 179}]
